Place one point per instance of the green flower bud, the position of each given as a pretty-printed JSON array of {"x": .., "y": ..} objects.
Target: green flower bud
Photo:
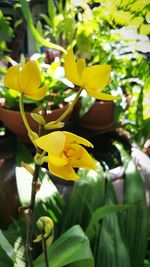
[
  {"x": 38, "y": 118},
  {"x": 54, "y": 125},
  {"x": 38, "y": 159},
  {"x": 46, "y": 226}
]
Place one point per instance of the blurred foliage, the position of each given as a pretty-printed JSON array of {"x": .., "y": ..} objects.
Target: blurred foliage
[
  {"x": 5, "y": 32},
  {"x": 110, "y": 32},
  {"x": 107, "y": 32}
]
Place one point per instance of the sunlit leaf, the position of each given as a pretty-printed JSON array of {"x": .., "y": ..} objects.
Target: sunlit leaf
[{"x": 72, "y": 246}]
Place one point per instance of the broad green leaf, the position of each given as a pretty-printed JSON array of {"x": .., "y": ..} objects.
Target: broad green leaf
[
  {"x": 5, "y": 261},
  {"x": 135, "y": 221},
  {"x": 4, "y": 243},
  {"x": 99, "y": 214},
  {"x": 111, "y": 250},
  {"x": 88, "y": 194},
  {"x": 72, "y": 246},
  {"x": 47, "y": 193},
  {"x": 23, "y": 154},
  {"x": 16, "y": 235},
  {"x": 19, "y": 248},
  {"x": 48, "y": 200}
]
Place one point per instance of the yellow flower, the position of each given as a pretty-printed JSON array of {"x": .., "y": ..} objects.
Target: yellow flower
[
  {"x": 93, "y": 78},
  {"x": 26, "y": 80},
  {"x": 65, "y": 153}
]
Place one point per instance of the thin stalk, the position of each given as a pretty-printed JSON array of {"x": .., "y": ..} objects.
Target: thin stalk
[
  {"x": 21, "y": 106},
  {"x": 70, "y": 107},
  {"x": 30, "y": 212},
  {"x": 45, "y": 251}
]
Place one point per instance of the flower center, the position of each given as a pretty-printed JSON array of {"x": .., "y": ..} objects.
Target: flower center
[{"x": 73, "y": 152}]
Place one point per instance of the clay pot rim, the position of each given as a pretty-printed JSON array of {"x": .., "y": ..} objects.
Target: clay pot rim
[{"x": 8, "y": 110}]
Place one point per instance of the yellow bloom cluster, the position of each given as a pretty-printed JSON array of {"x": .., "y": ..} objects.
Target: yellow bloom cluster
[{"x": 65, "y": 150}]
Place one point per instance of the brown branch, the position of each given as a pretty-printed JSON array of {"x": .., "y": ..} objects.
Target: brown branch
[{"x": 30, "y": 213}]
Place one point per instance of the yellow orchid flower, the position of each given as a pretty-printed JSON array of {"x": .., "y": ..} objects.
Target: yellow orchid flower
[
  {"x": 26, "y": 80},
  {"x": 65, "y": 153},
  {"x": 93, "y": 78}
]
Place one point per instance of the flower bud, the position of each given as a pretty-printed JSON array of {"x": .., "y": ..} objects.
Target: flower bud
[
  {"x": 38, "y": 118},
  {"x": 46, "y": 226},
  {"x": 54, "y": 125}
]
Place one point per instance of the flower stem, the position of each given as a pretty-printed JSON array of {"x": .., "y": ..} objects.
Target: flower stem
[
  {"x": 21, "y": 106},
  {"x": 45, "y": 250},
  {"x": 30, "y": 212},
  {"x": 70, "y": 107}
]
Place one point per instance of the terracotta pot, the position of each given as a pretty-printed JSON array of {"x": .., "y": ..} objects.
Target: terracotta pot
[
  {"x": 99, "y": 117},
  {"x": 12, "y": 120}
]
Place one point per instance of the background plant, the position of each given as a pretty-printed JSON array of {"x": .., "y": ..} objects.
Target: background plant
[{"x": 101, "y": 33}]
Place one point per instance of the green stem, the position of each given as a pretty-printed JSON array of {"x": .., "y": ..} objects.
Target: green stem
[
  {"x": 21, "y": 106},
  {"x": 70, "y": 107},
  {"x": 45, "y": 251},
  {"x": 30, "y": 214}
]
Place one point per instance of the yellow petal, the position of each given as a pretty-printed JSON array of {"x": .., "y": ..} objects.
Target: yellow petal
[
  {"x": 96, "y": 77},
  {"x": 66, "y": 173},
  {"x": 83, "y": 159},
  {"x": 13, "y": 93},
  {"x": 58, "y": 161},
  {"x": 37, "y": 94},
  {"x": 102, "y": 96},
  {"x": 29, "y": 77},
  {"x": 11, "y": 78},
  {"x": 53, "y": 142},
  {"x": 80, "y": 66},
  {"x": 75, "y": 139},
  {"x": 70, "y": 67}
]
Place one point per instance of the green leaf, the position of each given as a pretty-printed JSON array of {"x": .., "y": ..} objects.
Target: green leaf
[
  {"x": 16, "y": 235},
  {"x": 51, "y": 11},
  {"x": 5, "y": 261},
  {"x": 24, "y": 183},
  {"x": 135, "y": 221},
  {"x": 86, "y": 103},
  {"x": 48, "y": 200},
  {"x": 100, "y": 214},
  {"x": 88, "y": 194},
  {"x": 23, "y": 154},
  {"x": 72, "y": 246},
  {"x": 36, "y": 34},
  {"x": 111, "y": 249},
  {"x": 7, "y": 246}
]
